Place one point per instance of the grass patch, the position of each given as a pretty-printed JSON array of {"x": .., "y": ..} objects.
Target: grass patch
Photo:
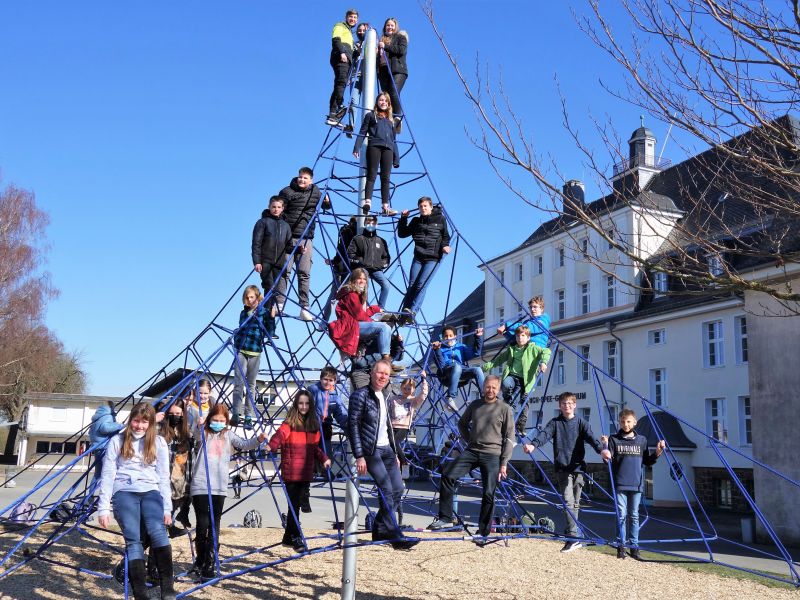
[{"x": 702, "y": 567}]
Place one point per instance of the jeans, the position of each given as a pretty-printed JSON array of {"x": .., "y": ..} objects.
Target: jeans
[
  {"x": 570, "y": 486},
  {"x": 385, "y": 79},
  {"x": 379, "y": 277},
  {"x": 628, "y": 509},
  {"x": 452, "y": 375},
  {"x": 302, "y": 262},
  {"x": 295, "y": 491},
  {"x": 463, "y": 464},
  {"x": 420, "y": 275},
  {"x": 373, "y": 329},
  {"x": 378, "y": 155},
  {"x": 248, "y": 365},
  {"x": 204, "y": 542},
  {"x": 382, "y": 466},
  {"x": 133, "y": 508},
  {"x": 340, "y": 72}
]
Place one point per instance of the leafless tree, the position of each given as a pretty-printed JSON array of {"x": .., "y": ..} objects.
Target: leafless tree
[{"x": 726, "y": 73}]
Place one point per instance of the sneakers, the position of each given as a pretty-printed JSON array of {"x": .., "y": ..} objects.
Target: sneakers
[
  {"x": 305, "y": 315},
  {"x": 388, "y": 211},
  {"x": 398, "y": 125},
  {"x": 635, "y": 554},
  {"x": 405, "y": 543},
  {"x": 452, "y": 406},
  {"x": 439, "y": 524},
  {"x": 296, "y": 544},
  {"x": 570, "y": 546},
  {"x": 480, "y": 540},
  {"x": 248, "y": 422},
  {"x": 321, "y": 326},
  {"x": 366, "y": 207},
  {"x": 396, "y": 367},
  {"x": 348, "y": 131},
  {"x": 621, "y": 552},
  {"x": 234, "y": 420}
]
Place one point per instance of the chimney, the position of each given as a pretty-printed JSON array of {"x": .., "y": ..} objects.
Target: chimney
[{"x": 574, "y": 197}]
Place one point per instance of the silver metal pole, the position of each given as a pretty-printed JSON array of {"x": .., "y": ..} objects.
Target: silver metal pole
[{"x": 368, "y": 76}]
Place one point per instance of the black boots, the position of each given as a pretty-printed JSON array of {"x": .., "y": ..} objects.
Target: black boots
[
  {"x": 163, "y": 557},
  {"x": 137, "y": 575}
]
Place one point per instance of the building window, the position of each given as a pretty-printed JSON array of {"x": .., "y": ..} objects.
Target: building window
[
  {"x": 657, "y": 337},
  {"x": 745, "y": 422},
  {"x": 460, "y": 332},
  {"x": 740, "y": 328},
  {"x": 58, "y": 413},
  {"x": 56, "y": 447},
  {"x": 611, "y": 292},
  {"x": 584, "y": 245},
  {"x": 501, "y": 314},
  {"x": 583, "y": 298},
  {"x": 502, "y": 275},
  {"x": 560, "y": 375},
  {"x": 660, "y": 283},
  {"x": 713, "y": 349},
  {"x": 518, "y": 269},
  {"x": 538, "y": 264},
  {"x": 585, "y": 413},
  {"x": 610, "y": 352},
  {"x": 42, "y": 447},
  {"x": 70, "y": 447},
  {"x": 716, "y": 427},
  {"x": 610, "y": 235},
  {"x": 561, "y": 304},
  {"x": 612, "y": 419},
  {"x": 583, "y": 363},
  {"x": 723, "y": 493},
  {"x": 560, "y": 256},
  {"x": 479, "y": 324},
  {"x": 658, "y": 386},
  {"x": 714, "y": 262}
]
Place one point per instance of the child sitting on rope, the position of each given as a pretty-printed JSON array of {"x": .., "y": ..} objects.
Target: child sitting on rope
[
  {"x": 628, "y": 451},
  {"x": 298, "y": 439},
  {"x": 272, "y": 241},
  {"x": 538, "y": 323},
  {"x": 521, "y": 364},
  {"x": 569, "y": 434},
  {"x": 452, "y": 358}
]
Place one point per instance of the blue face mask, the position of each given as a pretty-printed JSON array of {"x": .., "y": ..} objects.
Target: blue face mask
[
  {"x": 370, "y": 228},
  {"x": 216, "y": 427}
]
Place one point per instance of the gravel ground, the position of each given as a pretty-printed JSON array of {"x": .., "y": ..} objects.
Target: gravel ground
[{"x": 448, "y": 569}]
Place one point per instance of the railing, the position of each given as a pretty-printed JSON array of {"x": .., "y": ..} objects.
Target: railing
[{"x": 640, "y": 161}]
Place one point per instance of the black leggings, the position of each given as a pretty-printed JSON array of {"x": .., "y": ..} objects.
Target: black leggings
[
  {"x": 204, "y": 542},
  {"x": 295, "y": 490},
  {"x": 385, "y": 157},
  {"x": 386, "y": 86}
]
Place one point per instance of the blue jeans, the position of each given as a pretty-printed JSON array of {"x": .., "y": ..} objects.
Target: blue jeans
[
  {"x": 628, "y": 508},
  {"x": 380, "y": 278},
  {"x": 382, "y": 466},
  {"x": 452, "y": 375},
  {"x": 418, "y": 279},
  {"x": 466, "y": 461},
  {"x": 245, "y": 367},
  {"x": 368, "y": 330},
  {"x": 133, "y": 508}
]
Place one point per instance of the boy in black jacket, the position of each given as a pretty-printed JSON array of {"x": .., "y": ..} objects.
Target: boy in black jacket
[
  {"x": 370, "y": 251},
  {"x": 272, "y": 240},
  {"x": 569, "y": 434},
  {"x": 629, "y": 452},
  {"x": 431, "y": 242}
]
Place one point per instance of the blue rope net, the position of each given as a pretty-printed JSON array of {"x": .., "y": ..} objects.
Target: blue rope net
[{"x": 528, "y": 503}]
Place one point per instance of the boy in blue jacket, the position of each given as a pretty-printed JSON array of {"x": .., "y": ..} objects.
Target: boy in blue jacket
[
  {"x": 538, "y": 323},
  {"x": 104, "y": 427},
  {"x": 629, "y": 452},
  {"x": 452, "y": 358}
]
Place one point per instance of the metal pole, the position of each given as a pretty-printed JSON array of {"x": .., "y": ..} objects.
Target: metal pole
[{"x": 368, "y": 76}]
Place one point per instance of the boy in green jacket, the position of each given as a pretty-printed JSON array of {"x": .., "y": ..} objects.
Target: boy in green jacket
[{"x": 521, "y": 364}]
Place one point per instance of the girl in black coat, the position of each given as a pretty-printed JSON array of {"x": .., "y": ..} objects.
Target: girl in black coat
[
  {"x": 392, "y": 49},
  {"x": 381, "y": 150}
]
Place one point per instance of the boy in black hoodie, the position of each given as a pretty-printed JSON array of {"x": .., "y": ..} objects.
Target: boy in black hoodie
[
  {"x": 272, "y": 240},
  {"x": 371, "y": 252}
]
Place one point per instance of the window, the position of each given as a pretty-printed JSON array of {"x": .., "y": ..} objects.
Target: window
[
  {"x": 745, "y": 422},
  {"x": 657, "y": 337},
  {"x": 714, "y": 262},
  {"x": 610, "y": 352},
  {"x": 713, "y": 349},
  {"x": 716, "y": 427},
  {"x": 583, "y": 298},
  {"x": 610, "y": 234},
  {"x": 611, "y": 292},
  {"x": 740, "y": 329},
  {"x": 502, "y": 275},
  {"x": 583, "y": 363},
  {"x": 479, "y": 324},
  {"x": 658, "y": 386},
  {"x": 660, "y": 283},
  {"x": 538, "y": 264},
  {"x": 723, "y": 493},
  {"x": 613, "y": 411},
  {"x": 583, "y": 244},
  {"x": 585, "y": 413},
  {"x": 560, "y": 375},
  {"x": 58, "y": 413},
  {"x": 42, "y": 447},
  {"x": 519, "y": 271},
  {"x": 501, "y": 314},
  {"x": 460, "y": 332},
  {"x": 561, "y": 304},
  {"x": 560, "y": 256},
  {"x": 56, "y": 447},
  {"x": 70, "y": 447}
]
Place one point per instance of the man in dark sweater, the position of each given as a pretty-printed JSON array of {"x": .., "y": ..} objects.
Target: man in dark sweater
[
  {"x": 569, "y": 434},
  {"x": 488, "y": 428},
  {"x": 371, "y": 252},
  {"x": 629, "y": 452}
]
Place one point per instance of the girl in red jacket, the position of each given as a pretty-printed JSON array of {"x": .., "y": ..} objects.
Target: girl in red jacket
[
  {"x": 298, "y": 437},
  {"x": 354, "y": 322}
]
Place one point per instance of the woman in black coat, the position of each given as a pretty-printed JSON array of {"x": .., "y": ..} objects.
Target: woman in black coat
[{"x": 392, "y": 49}]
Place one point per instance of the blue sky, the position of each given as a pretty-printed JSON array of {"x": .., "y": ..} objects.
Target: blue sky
[{"x": 153, "y": 134}]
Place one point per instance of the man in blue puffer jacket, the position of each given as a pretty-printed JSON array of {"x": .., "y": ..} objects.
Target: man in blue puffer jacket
[{"x": 372, "y": 443}]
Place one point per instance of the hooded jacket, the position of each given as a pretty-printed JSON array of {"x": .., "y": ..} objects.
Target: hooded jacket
[
  {"x": 396, "y": 50},
  {"x": 530, "y": 355},
  {"x": 368, "y": 251},
  {"x": 341, "y": 262},
  {"x": 344, "y": 331},
  {"x": 430, "y": 235},
  {"x": 272, "y": 240},
  {"x": 460, "y": 353},
  {"x": 104, "y": 426},
  {"x": 300, "y": 207}
]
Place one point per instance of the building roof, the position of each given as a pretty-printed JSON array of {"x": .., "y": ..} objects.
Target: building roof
[
  {"x": 669, "y": 426},
  {"x": 70, "y": 398}
]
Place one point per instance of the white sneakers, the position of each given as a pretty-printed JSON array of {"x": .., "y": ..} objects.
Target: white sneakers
[{"x": 305, "y": 315}]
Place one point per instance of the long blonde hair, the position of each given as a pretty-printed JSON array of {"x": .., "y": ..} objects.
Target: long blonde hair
[
  {"x": 146, "y": 411},
  {"x": 350, "y": 284}
]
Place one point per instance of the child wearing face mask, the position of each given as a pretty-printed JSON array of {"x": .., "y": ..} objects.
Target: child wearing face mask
[
  {"x": 209, "y": 485},
  {"x": 370, "y": 251},
  {"x": 175, "y": 430},
  {"x": 452, "y": 357}
]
